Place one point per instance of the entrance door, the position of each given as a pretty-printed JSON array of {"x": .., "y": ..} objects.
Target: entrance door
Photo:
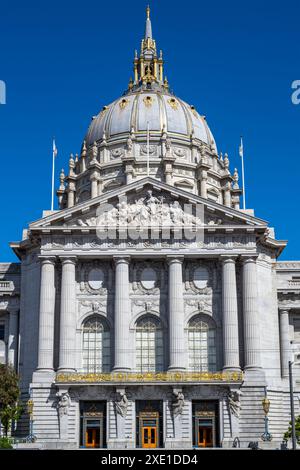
[
  {"x": 149, "y": 437},
  {"x": 93, "y": 424},
  {"x": 149, "y": 429},
  {"x": 93, "y": 433},
  {"x": 92, "y": 437},
  {"x": 205, "y": 434},
  {"x": 205, "y": 423}
]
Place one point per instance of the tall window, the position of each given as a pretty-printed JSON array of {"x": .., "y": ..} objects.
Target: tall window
[
  {"x": 96, "y": 346},
  {"x": 149, "y": 345},
  {"x": 202, "y": 346}
]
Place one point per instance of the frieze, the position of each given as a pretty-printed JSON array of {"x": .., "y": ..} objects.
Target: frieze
[
  {"x": 210, "y": 243},
  {"x": 163, "y": 377},
  {"x": 288, "y": 265}
]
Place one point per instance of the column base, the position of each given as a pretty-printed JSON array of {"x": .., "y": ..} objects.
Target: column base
[
  {"x": 254, "y": 376},
  {"x": 176, "y": 369},
  {"x": 231, "y": 369},
  {"x": 121, "y": 369},
  {"x": 43, "y": 376},
  {"x": 66, "y": 371}
]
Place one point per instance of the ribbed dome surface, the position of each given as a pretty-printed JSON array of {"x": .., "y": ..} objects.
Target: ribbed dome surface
[{"x": 160, "y": 110}]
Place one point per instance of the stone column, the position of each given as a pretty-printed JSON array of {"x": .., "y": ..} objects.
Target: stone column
[
  {"x": 230, "y": 315},
  {"x": 46, "y": 316},
  {"x": 285, "y": 345},
  {"x": 67, "y": 351},
  {"x": 203, "y": 184},
  {"x": 227, "y": 195},
  {"x": 176, "y": 315},
  {"x": 250, "y": 314},
  {"x": 122, "y": 315},
  {"x": 13, "y": 337},
  {"x": 94, "y": 185}
]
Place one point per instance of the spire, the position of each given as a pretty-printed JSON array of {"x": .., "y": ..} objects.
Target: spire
[
  {"x": 148, "y": 67},
  {"x": 148, "y": 28}
]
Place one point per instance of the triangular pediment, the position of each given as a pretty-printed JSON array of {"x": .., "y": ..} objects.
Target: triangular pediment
[{"x": 146, "y": 199}]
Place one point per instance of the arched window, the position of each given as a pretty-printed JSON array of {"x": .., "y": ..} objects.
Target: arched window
[
  {"x": 202, "y": 346},
  {"x": 96, "y": 346},
  {"x": 149, "y": 345}
]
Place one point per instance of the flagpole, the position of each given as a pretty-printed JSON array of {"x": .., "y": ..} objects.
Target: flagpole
[
  {"x": 243, "y": 173},
  {"x": 53, "y": 171},
  {"x": 148, "y": 149}
]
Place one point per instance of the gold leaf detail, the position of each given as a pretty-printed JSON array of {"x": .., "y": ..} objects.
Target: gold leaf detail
[
  {"x": 173, "y": 103},
  {"x": 123, "y": 103},
  {"x": 148, "y": 100}
]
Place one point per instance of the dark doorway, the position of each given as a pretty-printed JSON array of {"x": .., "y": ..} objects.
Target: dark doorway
[
  {"x": 93, "y": 424},
  {"x": 206, "y": 423}
]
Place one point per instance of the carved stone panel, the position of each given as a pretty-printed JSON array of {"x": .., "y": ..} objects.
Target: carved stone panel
[{"x": 94, "y": 277}]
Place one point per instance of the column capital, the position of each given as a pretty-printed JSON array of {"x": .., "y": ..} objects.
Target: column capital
[
  {"x": 68, "y": 259},
  {"x": 44, "y": 259},
  {"x": 121, "y": 259},
  {"x": 284, "y": 309},
  {"x": 247, "y": 258},
  {"x": 228, "y": 258},
  {"x": 175, "y": 259},
  {"x": 13, "y": 310}
]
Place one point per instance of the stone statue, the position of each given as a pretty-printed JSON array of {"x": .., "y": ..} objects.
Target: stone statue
[
  {"x": 168, "y": 147},
  {"x": 63, "y": 403},
  {"x": 234, "y": 402},
  {"x": 178, "y": 403},
  {"x": 129, "y": 144},
  {"x": 122, "y": 404}
]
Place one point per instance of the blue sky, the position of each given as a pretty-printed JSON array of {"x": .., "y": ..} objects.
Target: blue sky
[{"x": 235, "y": 61}]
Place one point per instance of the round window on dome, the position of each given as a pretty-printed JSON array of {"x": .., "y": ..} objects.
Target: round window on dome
[{"x": 96, "y": 278}]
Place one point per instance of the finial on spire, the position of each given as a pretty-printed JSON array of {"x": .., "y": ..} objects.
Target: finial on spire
[{"x": 148, "y": 29}]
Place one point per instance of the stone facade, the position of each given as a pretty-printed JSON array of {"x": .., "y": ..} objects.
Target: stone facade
[{"x": 151, "y": 305}]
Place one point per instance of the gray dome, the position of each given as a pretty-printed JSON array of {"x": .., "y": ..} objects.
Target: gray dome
[{"x": 135, "y": 110}]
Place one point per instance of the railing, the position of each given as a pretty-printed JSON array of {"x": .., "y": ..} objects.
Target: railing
[
  {"x": 150, "y": 377},
  {"x": 7, "y": 285},
  {"x": 294, "y": 283}
]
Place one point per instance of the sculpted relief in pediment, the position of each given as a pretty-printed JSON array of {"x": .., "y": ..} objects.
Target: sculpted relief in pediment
[{"x": 146, "y": 211}]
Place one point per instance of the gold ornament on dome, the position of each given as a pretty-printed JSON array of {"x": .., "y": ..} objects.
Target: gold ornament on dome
[
  {"x": 103, "y": 110},
  {"x": 148, "y": 100},
  {"x": 148, "y": 377},
  {"x": 193, "y": 109},
  {"x": 123, "y": 103},
  {"x": 173, "y": 103}
]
